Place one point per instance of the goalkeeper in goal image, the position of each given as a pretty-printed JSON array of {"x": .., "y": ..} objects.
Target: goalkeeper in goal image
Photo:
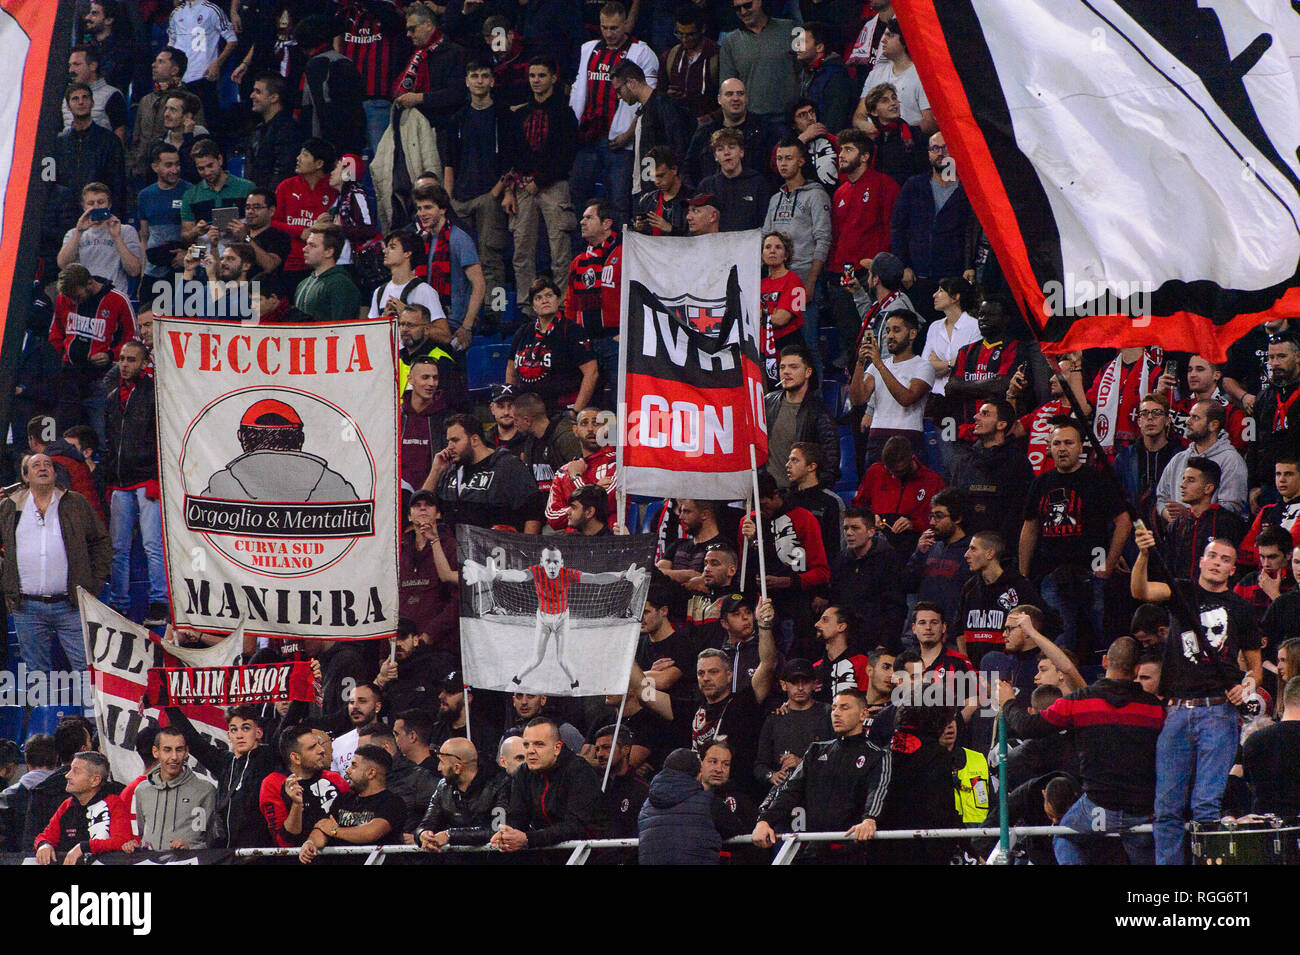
[{"x": 551, "y": 580}]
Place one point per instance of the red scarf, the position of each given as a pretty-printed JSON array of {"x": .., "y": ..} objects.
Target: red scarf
[
  {"x": 896, "y": 126},
  {"x": 124, "y": 390},
  {"x": 439, "y": 276},
  {"x": 410, "y": 80}
]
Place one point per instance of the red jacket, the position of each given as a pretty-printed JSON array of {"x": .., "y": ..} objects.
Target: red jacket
[
  {"x": 99, "y": 325},
  {"x": 102, "y": 825},
  {"x": 885, "y": 494},
  {"x": 860, "y": 213},
  {"x": 296, "y": 207},
  {"x": 591, "y": 297},
  {"x": 599, "y": 464}
]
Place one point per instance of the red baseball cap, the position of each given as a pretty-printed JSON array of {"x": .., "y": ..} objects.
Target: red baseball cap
[{"x": 270, "y": 413}]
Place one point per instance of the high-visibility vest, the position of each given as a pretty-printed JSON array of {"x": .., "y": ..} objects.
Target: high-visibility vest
[
  {"x": 972, "y": 784},
  {"x": 437, "y": 353}
]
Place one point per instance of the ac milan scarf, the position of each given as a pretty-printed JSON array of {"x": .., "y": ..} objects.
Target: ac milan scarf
[
  {"x": 1108, "y": 398},
  {"x": 230, "y": 686},
  {"x": 440, "y": 261}
]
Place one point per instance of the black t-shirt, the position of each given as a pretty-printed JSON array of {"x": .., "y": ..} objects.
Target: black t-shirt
[
  {"x": 1073, "y": 512},
  {"x": 1229, "y": 624},
  {"x": 1271, "y": 757},
  {"x": 548, "y": 363},
  {"x": 678, "y": 647},
  {"x": 353, "y": 810},
  {"x": 500, "y": 489},
  {"x": 274, "y": 242},
  {"x": 735, "y": 721},
  {"x": 1281, "y": 619},
  {"x": 655, "y": 733}
]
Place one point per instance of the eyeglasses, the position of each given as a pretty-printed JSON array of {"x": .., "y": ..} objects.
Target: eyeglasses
[
  {"x": 1148, "y": 415},
  {"x": 941, "y": 148}
]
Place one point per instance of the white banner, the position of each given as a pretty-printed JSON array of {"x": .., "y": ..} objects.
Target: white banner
[
  {"x": 280, "y": 476},
  {"x": 690, "y": 364},
  {"x": 120, "y": 654},
  {"x": 557, "y": 615}
]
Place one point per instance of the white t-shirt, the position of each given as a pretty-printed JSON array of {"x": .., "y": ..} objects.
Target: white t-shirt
[
  {"x": 344, "y": 749},
  {"x": 911, "y": 98},
  {"x": 422, "y": 294},
  {"x": 194, "y": 29},
  {"x": 889, "y": 413},
  {"x": 939, "y": 342},
  {"x": 97, "y": 251}
]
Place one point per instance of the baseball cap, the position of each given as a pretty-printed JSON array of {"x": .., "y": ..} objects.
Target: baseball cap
[
  {"x": 423, "y": 496},
  {"x": 797, "y": 669},
  {"x": 453, "y": 682},
  {"x": 270, "y": 413},
  {"x": 702, "y": 199},
  {"x": 733, "y": 602},
  {"x": 503, "y": 393}
]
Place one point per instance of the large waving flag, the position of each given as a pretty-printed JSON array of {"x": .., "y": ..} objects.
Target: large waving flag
[
  {"x": 1133, "y": 161},
  {"x": 34, "y": 38}
]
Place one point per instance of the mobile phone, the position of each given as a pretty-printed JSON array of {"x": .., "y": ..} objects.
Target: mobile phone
[
  {"x": 100, "y": 215},
  {"x": 1171, "y": 369}
]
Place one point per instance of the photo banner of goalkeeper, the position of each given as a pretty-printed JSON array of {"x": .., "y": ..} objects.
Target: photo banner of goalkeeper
[{"x": 559, "y": 615}]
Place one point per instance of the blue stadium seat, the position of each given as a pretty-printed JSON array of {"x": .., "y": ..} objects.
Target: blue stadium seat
[
  {"x": 235, "y": 166},
  {"x": 11, "y": 723},
  {"x": 486, "y": 365},
  {"x": 848, "y": 462},
  {"x": 831, "y": 396},
  {"x": 44, "y": 719},
  {"x": 650, "y": 517}
]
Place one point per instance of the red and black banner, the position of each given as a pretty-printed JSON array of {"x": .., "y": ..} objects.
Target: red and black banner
[
  {"x": 230, "y": 686},
  {"x": 1133, "y": 162},
  {"x": 691, "y": 395}
]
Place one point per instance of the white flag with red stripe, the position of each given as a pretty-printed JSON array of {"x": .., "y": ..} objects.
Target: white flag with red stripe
[{"x": 121, "y": 653}]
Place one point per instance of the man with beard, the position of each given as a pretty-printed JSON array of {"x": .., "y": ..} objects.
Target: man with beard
[
  {"x": 229, "y": 295},
  {"x": 663, "y": 653},
  {"x": 983, "y": 369},
  {"x": 461, "y": 812},
  {"x": 843, "y": 663},
  {"x": 482, "y": 487},
  {"x": 505, "y": 432},
  {"x": 408, "y": 781},
  {"x": 865, "y": 577},
  {"x": 270, "y": 245},
  {"x": 410, "y": 680},
  {"x": 1207, "y": 438},
  {"x": 988, "y": 596},
  {"x": 1204, "y": 379},
  {"x": 860, "y": 213},
  {"x": 708, "y": 592},
  {"x": 369, "y": 813},
  {"x": 832, "y": 781},
  {"x": 992, "y": 470},
  {"x": 929, "y": 224},
  {"x": 454, "y": 702},
  {"x": 937, "y": 569},
  {"x": 293, "y": 802},
  {"x": 625, "y": 792},
  {"x": 1277, "y": 415},
  {"x": 549, "y": 443},
  {"x": 596, "y": 466},
  {"x": 899, "y": 385},
  {"x": 364, "y": 706},
  {"x": 788, "y": 732},
  {"x": 415, "y": 330},
  {"x": 683, "y": 559}
]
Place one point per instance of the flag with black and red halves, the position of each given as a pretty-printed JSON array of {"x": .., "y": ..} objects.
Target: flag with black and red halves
[{"x": 1134, "y": 163}]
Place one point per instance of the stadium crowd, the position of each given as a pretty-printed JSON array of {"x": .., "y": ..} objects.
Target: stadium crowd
[{"x": 1113, "y": 571}]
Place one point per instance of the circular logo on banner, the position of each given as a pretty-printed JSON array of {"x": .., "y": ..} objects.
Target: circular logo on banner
[{"x": 280, "y": 482}]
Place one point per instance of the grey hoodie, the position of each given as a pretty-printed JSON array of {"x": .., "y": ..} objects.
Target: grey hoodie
[
  {"x": 180, "y": 809},
  {"x": 1232, "y": 493},
  {"x": 805, "y": 216}
]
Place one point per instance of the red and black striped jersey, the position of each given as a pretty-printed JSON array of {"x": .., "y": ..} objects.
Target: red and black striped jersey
[
  {"x": 983, "y": 361},
  {"x": 602, "y": 101},
  {"x": 592, "y": 295},
  {"x": 553, "y": 592},
  {"x": 373, "y": 40}
]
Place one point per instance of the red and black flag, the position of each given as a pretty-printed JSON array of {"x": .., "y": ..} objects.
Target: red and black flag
[{"x": 1133, "y": 162}]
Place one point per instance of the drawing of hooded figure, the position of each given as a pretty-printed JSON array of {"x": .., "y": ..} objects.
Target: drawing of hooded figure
[{"x": 273, "y": 466}]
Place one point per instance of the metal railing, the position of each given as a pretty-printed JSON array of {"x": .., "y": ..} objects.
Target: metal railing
[{"x": 790, "y": 843}]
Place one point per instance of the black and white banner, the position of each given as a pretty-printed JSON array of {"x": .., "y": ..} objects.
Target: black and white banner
[
  {"x": 690, "y": 378},
  {"x": 559, "y": 615},
  {"x": 121, "y": 654},
  {"x": 279, "y": 476}
]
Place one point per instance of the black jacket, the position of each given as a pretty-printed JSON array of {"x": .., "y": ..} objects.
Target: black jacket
[
  {"x": 467, "y": 816},
  {"x": 559, "y": 805},
  {"x": 90, "y": 155},
  {"x": 273, "y": 151},
  {"x": 870, "y": 586},
  {"x": 332, "y": 95},
  {"x": 814, "y": 422},
  {"x": 1116, "y": 724},
  {"x": 131, "y": 455},
  {"x": 416, "y": 686},
  {"x": 996, "y": 480},
  {"x": 675, "y": 826},
  {"x": 414, "y": 785},
  {"x": 760, "y": 142},
  {"x": 44, "y": 801},
  {"x": 741, "y": 202},
  {"x": 239, "y": 823},
  {"x": 542, "y": 140},
  {"x": 1277, "y": 429},
  {"x": 838, "y": 784}
]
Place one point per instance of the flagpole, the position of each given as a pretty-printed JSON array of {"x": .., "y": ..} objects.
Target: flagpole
[
  {"x": 620, "y": 410},
  {"x": 744, "y": 556},
  {"x": 758, "y": 523},
  {"x": 465, "y": 699},
  {"x": 618, "y": 721}
]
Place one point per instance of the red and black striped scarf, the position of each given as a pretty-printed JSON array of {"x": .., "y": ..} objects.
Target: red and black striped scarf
[{"x": 439, "y": 276}]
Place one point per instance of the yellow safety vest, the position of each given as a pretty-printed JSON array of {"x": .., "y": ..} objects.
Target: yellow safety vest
[
  {"x": 404, "y": 370},
  {"x": 973, "y": 784}
]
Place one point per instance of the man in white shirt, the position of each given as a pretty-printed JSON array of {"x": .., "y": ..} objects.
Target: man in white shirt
[
  {"x": 897, "y": 68},
  {"x": 900, "y": 385},
  {"x": 198, "y": 28},
  {"x": 401, "y": 248},
  {"x": 101, "y": 242},
  {"x": 52, "y": 543}
]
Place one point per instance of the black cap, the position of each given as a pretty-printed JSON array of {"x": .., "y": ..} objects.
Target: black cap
[
  {"x": 702, "y": 199},
  {"x": 453, "y": 682},
  {"x": 503, "y": 393},
  {"x": 733, "y": 602},
  {"x": 423, "y": 496},
  {"x": 797, "y": 669}
]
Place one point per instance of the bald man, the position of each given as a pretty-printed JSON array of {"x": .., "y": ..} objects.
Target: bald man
[
  {"x": 510, "y": 754},
  {"x": 460, "y": 812}
]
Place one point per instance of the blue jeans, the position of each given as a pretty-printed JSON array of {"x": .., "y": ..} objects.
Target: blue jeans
[
  {"x": 39, "y": 624},
  {"x": 1078, "y": 597},
  {"x": 1193, "y": 758},
  {"x": 606, "y": 352},
  {"x": 812, "y": 332},
  {"x": 126, "y": 510},
  {"x": 378, "y": 112},
  {"x": 1087, "y": 817},
  {"x": 612, "y": 168}
]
